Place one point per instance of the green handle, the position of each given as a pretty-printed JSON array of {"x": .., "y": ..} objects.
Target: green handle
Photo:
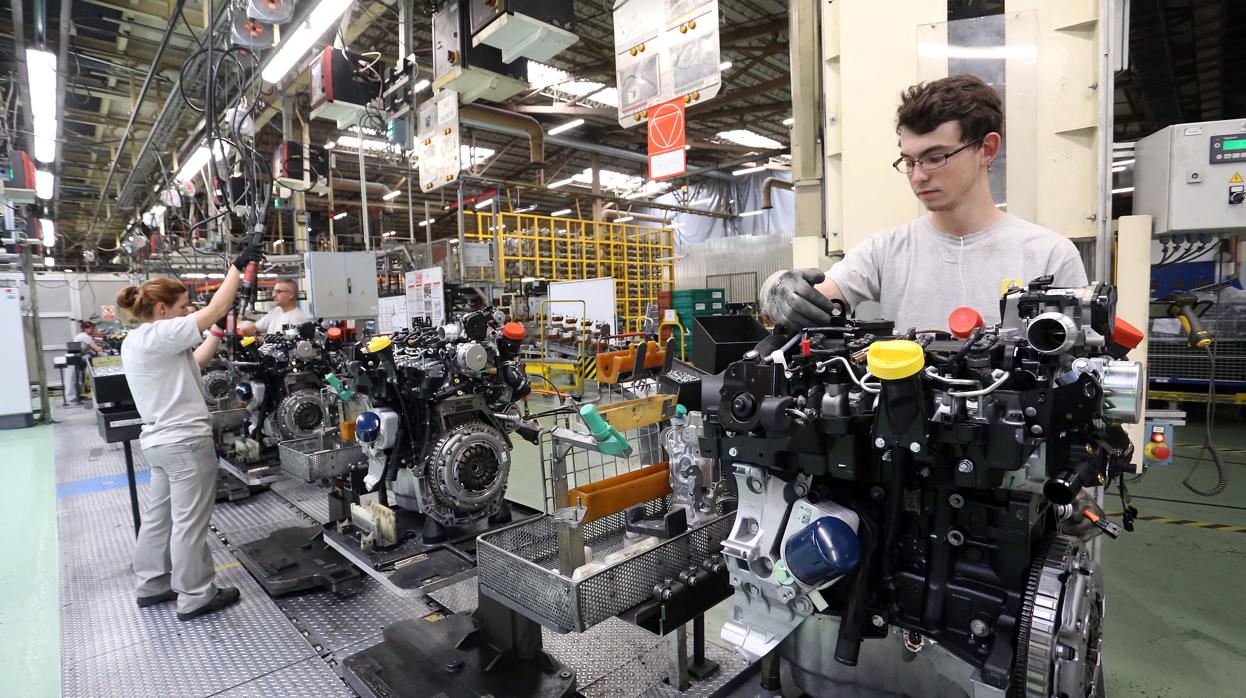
[
  {"x": 342, "y": 392},
  {"x": 611, "y": 441}
]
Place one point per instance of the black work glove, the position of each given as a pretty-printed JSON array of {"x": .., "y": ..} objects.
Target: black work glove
[
  {"x": 250, "y": 253},
  {"x": 792, "y": 302}
]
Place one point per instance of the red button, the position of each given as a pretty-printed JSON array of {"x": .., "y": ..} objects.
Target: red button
[
  {"x": 1126, "y": 334},
  {"x": 963, "y": 321},
  {"x": 513, "y": 331},
  {"x": 1156, "y": 451}
]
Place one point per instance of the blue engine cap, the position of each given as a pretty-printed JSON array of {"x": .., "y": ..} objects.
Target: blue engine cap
[
  {"x": 822, "y": 552},
  {"x": 244, "y": 392},
  {"x": 367, "y": 427}
]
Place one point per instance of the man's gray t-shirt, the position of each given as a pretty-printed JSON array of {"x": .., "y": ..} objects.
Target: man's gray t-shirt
[{"x": 920, "y": 274}]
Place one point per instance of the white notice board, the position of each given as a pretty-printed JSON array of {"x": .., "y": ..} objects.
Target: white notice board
[
  {"x": 391, "y": 314},
  {"x": 426, "y": 295},
  {"x": 597, "y": 294}
]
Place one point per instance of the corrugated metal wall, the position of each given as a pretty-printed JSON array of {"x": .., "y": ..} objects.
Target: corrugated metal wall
[{"x": 764, "y": 254}]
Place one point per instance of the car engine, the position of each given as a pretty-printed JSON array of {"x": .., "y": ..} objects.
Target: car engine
[
  {"x": 928, "y": 496},
  {"x": 281, "y": 382},
  {"x": 443, "y": 405}
]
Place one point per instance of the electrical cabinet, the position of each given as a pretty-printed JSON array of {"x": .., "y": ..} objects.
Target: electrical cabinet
[
  {"x": 15, "y": 408},
  {"x": 1191, "y": 178},
  {"x": 341, "y": 285}
]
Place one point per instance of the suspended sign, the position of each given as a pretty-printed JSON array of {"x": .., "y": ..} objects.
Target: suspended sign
[{"x": 667, "y": 137}]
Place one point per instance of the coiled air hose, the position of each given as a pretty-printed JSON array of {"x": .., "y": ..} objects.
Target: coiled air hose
[{"x": 1222, "y": 475}]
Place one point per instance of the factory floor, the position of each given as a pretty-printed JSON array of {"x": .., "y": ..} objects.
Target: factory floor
[{"x": 1173, "y": 624}]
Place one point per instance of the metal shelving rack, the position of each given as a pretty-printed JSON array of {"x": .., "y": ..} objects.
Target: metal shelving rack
[{"x": 640, "y": 258}]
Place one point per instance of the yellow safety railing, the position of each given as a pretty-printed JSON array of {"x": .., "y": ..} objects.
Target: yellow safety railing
[{"x": 640, "y": 258}]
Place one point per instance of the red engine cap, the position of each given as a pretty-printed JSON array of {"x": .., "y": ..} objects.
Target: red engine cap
[
  {"x": 963, "y": 321},
  {"x": 334, "y": 333},
  {"x": 1126, "y": 334},
  {"x": 513, "y": 331}
]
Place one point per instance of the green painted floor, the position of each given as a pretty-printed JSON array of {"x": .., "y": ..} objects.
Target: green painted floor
[
  {"x": 1174, "y": 601},
  {"x": 29, "y": 578}
]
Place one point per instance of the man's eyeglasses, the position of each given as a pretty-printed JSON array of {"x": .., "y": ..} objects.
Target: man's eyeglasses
[{"x": 930, "y": 162}]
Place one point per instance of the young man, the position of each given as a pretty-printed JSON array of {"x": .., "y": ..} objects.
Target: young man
[
  {"x": 285, "y": 312},
  {"x": 85, "y": 337},
  {"x": 964, "y": 253}
]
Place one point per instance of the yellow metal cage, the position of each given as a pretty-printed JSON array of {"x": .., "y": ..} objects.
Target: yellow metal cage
[{"x": 640, "y": 258}]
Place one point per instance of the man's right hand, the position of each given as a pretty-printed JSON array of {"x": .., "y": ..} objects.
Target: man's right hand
[{"x": 792, "y": 302}]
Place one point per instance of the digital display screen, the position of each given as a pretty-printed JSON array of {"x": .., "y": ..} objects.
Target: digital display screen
[{"x": 1237, "y": 144}]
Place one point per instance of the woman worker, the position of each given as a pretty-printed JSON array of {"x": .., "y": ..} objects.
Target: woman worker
[{"x": 171, "y": 557}]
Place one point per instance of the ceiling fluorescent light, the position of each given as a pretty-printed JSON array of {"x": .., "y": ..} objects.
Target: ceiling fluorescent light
[
  {"x": 525, "y": 209},
  {"x": 426, "y": 222},
  {"x": 193, "y": 165},
  {"x": 750, "y": 139},
  {"x": 562, "y": 128},
  {"x": 41, "y": 70},
  {"x": 748, "y": 170},
  {"x": 484, "y": 204},
  {"x": 392, "y": 195},
  {"x": 45, "y": 183},
  {"x": 746, "y": 214},
  {"x": 560, "y": 212},
  {"x": 339, "y": 216},
  {"x": 329, "y": 145},
  {"x": 296, "y": 47},
  {"x": 1120, "y": 163},
  {"x": 47, "y": 231},
  {"x": 367, "y": 143},
  {"x": 390, "y": 234},
  {"x": 49, "y": 262},
  {"x": 561, "y": 183},
  {"x": 789, "y": 121},
  {"x": 724, "y": 65},
  {"x": 419, "y": 86},
  {"x": 1123, "y": 190}
]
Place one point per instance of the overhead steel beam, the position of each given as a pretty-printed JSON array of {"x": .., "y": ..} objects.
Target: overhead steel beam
[
  {"x": 129, "y": 129},
  {"x": 61, "y": 61}
]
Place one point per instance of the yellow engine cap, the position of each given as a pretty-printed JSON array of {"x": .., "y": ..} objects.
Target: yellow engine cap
[
  {"x": 378, "y": 343},
  {"x": 248, "y": 341},
  {"x": 895, "y": 359}
]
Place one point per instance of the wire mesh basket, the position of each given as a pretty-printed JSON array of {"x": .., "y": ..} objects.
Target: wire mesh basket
[
  {"x": 566, "y": 467},
  {"x": 318, "y": 457},
  {"x": 518, "y": 566}
]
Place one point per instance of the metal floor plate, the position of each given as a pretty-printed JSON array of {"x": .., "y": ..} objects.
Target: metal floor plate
[
  {"x": 291, "y": 647},
  {"x": 309, "y": 498}
]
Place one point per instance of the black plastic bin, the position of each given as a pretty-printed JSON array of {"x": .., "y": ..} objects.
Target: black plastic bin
[{"x": 720, "y": 339}]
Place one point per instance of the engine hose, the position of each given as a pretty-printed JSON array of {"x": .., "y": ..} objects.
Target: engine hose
[
  {"x": 895, "y": 506},
  {"x": 848, "y": 644},
  {"x": 1222, "y": 475}
]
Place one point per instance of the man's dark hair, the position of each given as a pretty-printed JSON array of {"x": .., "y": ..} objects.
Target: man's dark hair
[{"x": 964, "y": 99}]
